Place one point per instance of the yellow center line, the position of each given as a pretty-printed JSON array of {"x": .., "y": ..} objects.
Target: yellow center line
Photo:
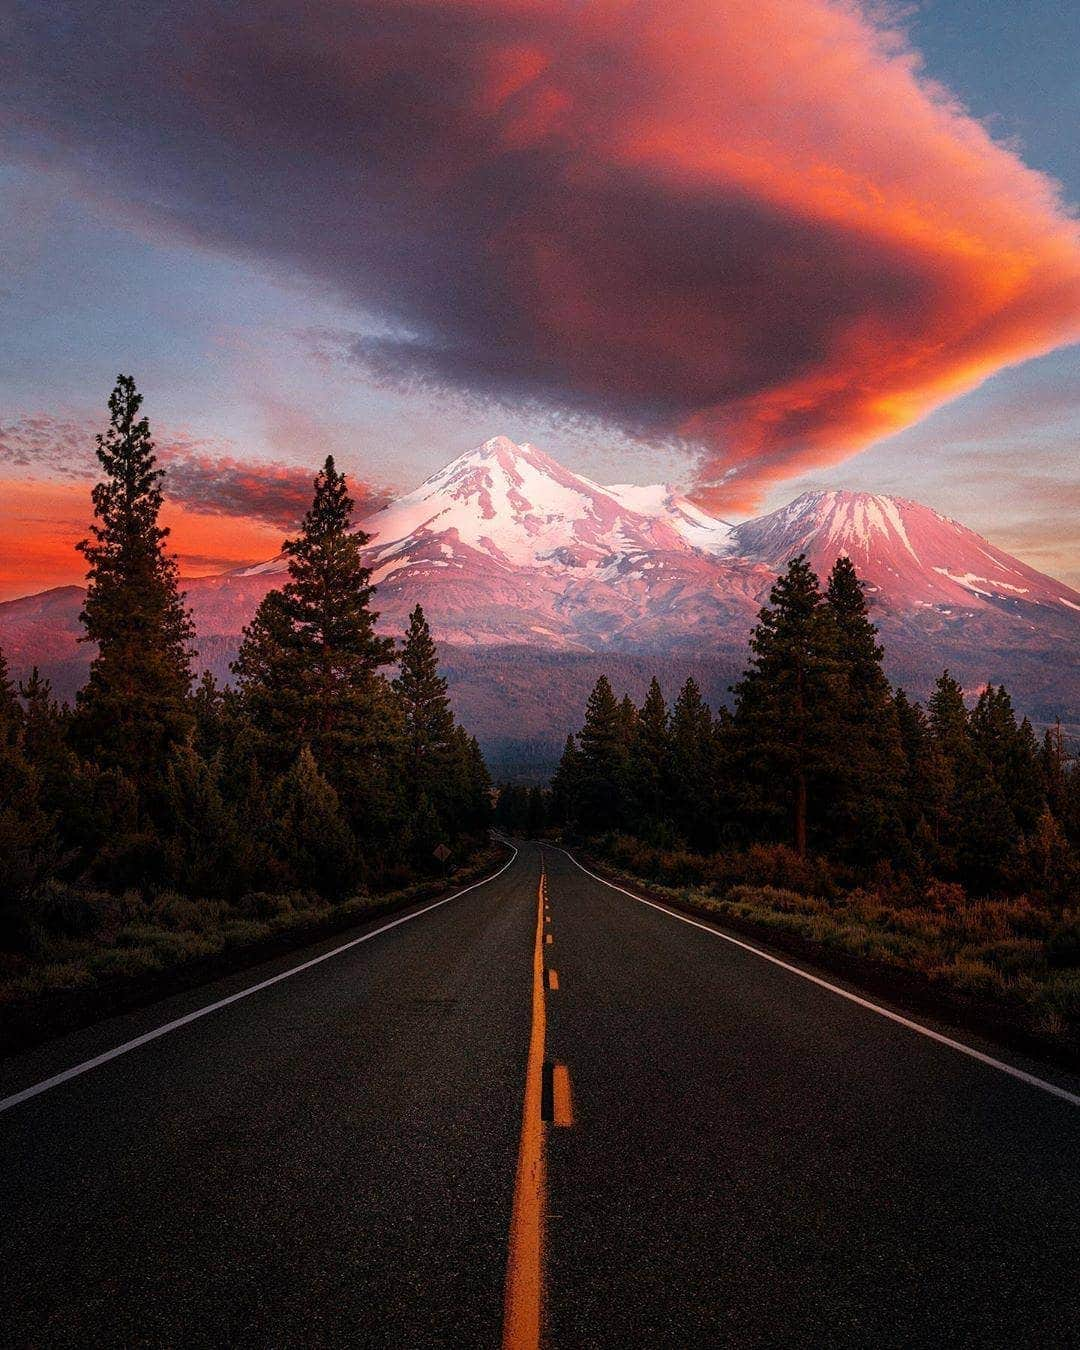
[
  {"x": 563, "y": 1107},
  {"x": 553, "y": 978},
  {"x": 550, "y": 939},
  {"x": 524, "y": 1267}
]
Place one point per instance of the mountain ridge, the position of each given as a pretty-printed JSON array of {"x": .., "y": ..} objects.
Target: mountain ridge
[{"x": 514, "y": 556}]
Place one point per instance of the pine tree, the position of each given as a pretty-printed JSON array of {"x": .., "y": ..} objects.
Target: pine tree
[
  {"x": 865, "y": 813},
  {"x": 628, "y": 716},
  {"x": 788, "y": 733},
  {"x": 10, "y": 709},
  {"x": 599, "y": 804},
  {"x": 648, "y": 775},
  {"x": 949, "y": 749},
  {"x": 428, "y": 719},
  {"x": 479, "y": 811},
  {"x": 694, "y": 798},
  {"x": 29, "y": 848},
  {"x": 272, "y": 681},
  {"x": 134, "y": 707},
  {"x": 920, "y": 805},
  {"x": 975, "y": 829},
  {"x": 307, "y": 662},
  {"x": 312, "y": 836},
  {"x": 1054, "y": 763},
  {"x": 566, "y": 784},
  {"x": 1012, "y": 754},
  {"x": 329, "y": 599},
  {"x": 202, "y": 833}
]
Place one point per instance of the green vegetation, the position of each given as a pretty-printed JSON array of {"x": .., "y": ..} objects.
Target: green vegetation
[
  {"x": 86, "y": 953},
  {"x": 942, "y": 842},
  {"x": 1011, "y": 964},
  {"x": 155, "y": 824}
]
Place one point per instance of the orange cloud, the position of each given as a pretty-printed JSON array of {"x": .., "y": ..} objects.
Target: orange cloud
[
  {"x": 40, "y": 524},
  {"x": 754, "y": 225}
]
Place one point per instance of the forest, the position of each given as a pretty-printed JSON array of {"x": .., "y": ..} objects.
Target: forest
[
  {"x": 160, "y": 819},
  {"x": 828, "y": 807}
]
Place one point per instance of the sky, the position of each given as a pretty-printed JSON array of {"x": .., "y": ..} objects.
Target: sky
[{"x": 748, "y": 246}]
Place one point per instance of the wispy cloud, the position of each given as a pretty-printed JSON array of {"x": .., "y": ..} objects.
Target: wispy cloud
[{"x": 207, "y": 477}]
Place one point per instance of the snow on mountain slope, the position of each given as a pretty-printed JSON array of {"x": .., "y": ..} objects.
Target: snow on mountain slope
[
  {"x": 909, "y": 556},
  {"x": 507, "y": 549},
  {"x": 519, "y": 507},
  {"x": 662, "y": 501}
]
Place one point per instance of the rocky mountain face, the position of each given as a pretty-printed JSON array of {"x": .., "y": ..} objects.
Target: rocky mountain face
[{"x": 535, "y": 579}]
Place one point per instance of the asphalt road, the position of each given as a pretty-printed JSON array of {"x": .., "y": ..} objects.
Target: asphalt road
[{"x": 728, "y": 1154}]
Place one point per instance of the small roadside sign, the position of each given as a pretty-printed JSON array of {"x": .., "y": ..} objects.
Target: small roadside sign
[{"x": 441, "y": 852}]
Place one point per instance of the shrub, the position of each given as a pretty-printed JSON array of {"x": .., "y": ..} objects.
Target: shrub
[
  {"x": 124, "y": 962},
  {"x": 1012, "y": 955},
  {"x": 61, "y": 908},
  {"x": 179, "y": 913}
]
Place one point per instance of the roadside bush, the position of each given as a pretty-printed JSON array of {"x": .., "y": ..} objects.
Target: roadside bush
[
  {"x": 1013, "y": 955},
  {"x": 67, "y": 910}
]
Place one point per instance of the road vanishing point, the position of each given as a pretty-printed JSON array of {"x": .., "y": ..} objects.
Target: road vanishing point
[{"x": 540, "y": 1112}]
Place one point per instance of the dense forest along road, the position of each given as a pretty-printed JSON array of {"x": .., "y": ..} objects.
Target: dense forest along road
[{"x": 540, "y": 1112}]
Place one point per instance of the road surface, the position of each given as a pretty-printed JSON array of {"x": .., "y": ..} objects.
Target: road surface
[{"x": 542, "y": 1111}]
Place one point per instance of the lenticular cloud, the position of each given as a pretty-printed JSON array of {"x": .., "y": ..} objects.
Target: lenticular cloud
[{"x": 752, "y": 225}]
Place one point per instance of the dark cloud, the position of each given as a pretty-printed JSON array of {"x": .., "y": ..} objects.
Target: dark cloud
[
  {"x": 276, "y": 494},
  {"x": 200, "y": 476},
  {"x": 750, "y": 225}
]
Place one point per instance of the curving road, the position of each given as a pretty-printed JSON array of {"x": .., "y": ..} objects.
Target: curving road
[{"x": 542, "y": 1110}]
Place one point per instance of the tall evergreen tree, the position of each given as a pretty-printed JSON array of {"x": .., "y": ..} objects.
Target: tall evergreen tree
[
  {"x": 788, "y": 733},
  {"x": 10, "y": 709},
  {"x": 429, "y": 721},
  {"x": 478, "y": 806},
  {"x": 1054, "y": 762},
  {"x": 134, "y": 707},
  {"x": 313, "y": 836},
  {"x": 648, "y": 769},
  {"x": 272, "y": 681},
  {"x": 975, "y": 828},
  {"x": 693, "y": 768},
  {"x": 307, "y": 664},
  {"x": 565, "y": 784},
  {"x": 329, "y": 594},
  {"x": 599, "y": 800},
  {"x": 628, "y": 717},
  {"x": 920, "y": 805},
  {"x": 866, "y": 809},
  {"x": 1012, "y": 754}
]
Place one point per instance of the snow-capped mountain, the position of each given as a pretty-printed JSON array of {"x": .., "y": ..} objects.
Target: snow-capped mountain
[
  {"x": 518, "y": 507},
  {"x": 908, "y": 555},
  {"x": 535, "y": 579}
]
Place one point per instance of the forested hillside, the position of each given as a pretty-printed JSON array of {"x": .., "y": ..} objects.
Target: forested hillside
[{"x": 156, "y": 815}]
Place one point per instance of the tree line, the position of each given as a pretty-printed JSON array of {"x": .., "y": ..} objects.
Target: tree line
[
  {"x": 333, "y": 762},
  {"x": 821, "y": 755}
]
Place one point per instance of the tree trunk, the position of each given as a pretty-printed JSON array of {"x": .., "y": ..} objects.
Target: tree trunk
[{"x": 800, "y": 814}]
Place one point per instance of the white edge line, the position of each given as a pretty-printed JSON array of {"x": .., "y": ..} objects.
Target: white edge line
[
  {"x": 932, "y": 1035},
  {"x": 7, "y": 1102}
]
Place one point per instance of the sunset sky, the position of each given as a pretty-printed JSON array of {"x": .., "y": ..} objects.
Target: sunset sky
[{"x": 752, "y": 246}]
